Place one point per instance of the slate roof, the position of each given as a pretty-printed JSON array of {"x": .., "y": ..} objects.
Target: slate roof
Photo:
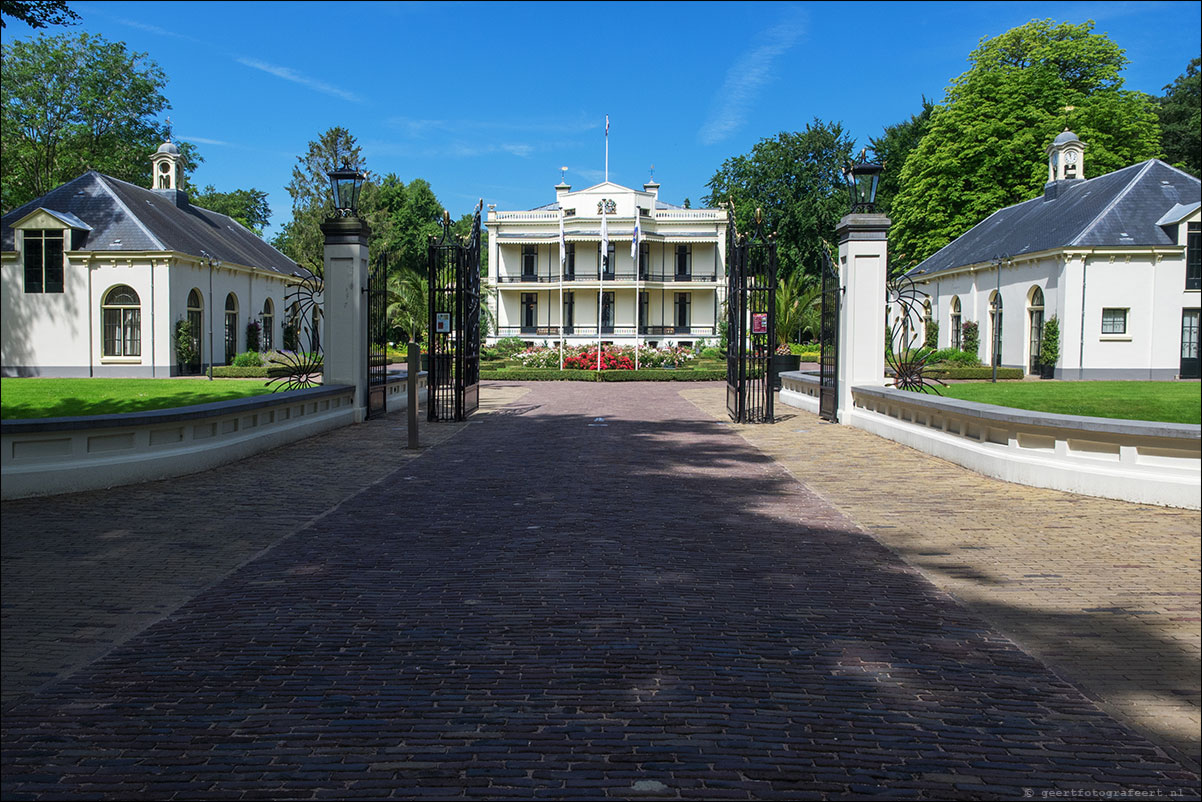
[
  {"x": 554, "y": 206},
  {"x": 1122, "y": 208},
  {"x": 125, "y": 217}
]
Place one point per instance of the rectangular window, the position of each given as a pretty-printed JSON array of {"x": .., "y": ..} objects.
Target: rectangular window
[
  {"x": 607, "y": 262},
  {"x": 1114, "y": 321},
  {"x": 44, "y": 261},
  {"x": 1193, "y": 257},
  {"x": 644, "y": 311},
  {"x": 684, "y": 261},
  {"x": 122, "y": 332},
  {"x": 569, "y": 312},
  {"x": 569, "y": 265},
  {"x": 644, "y": 259},
  {"x": 607, "y": 313},
  {"x": 529, "y": 261}
]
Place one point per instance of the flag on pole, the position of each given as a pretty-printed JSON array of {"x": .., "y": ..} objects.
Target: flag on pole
[
  {"x": 604, "y": 237},
  {"x": 563, "y": 243},
  {"x": 634, "y": 242},
  {"x": 603, "y": 265}
]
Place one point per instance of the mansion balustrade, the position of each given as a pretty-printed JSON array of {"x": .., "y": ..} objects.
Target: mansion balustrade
[
  {"x": 543, "y": 278},
  {"x": 616, "y": 331}
]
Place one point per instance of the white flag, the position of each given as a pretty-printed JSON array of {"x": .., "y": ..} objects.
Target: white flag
[
  {"x": 604, "y": 239},
  {"x": 634, "y": 243},
  {"x": 563, "y": 243}
]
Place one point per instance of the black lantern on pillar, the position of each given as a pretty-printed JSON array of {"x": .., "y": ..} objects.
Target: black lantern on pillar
[
  {"x": 862, "y": 179},
  {"x": 347, "y": 182}
]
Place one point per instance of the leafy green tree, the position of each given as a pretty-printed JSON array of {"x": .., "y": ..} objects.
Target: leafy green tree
[
  {"x": 1180, "y": 115},
  {"x": 247, "y": 206},
  {"x": 312, "y": 198},
  {"x": 893, "y": 148},
  {"x": 985, "y": 146},
  {"x": 77, "y": 103},
  {"x": 795, "y": 178},
  {"x": 37, "y": 13}
]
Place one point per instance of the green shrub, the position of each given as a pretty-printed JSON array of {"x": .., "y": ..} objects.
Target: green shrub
[
  {"x": 187, "y": 355},
  {"x": 711, "y": 353},
  {"x": 250, "y": 359},
  {"x": 981, "y": 372},
  {"x": 540, "y": 374},
  {"x": 1049, "y": 348},
  {"x": 235, "y": 372},
  {"x": 932, "y": 338},
  {"x": 508, "y": 346},
  {"x": 953, "y": 356},
  {"x": 252, "y": 335},
  {"x": 809, "y": 352},
  {"x": 970, "y": 337}
]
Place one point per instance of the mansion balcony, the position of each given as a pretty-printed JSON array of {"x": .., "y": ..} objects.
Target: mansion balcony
[
  {"x": 627, "y": 277},
  {"x": 615, "y": 331}
]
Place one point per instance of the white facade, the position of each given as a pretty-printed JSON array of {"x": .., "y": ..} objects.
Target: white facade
[
  {"x": 671, "y": 295},
  {"x": 1116, "y": 259},
  {"x": 95, "y": 275}
]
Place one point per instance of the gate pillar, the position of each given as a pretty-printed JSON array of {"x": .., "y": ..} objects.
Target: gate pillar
[
  {"x": 863, "y": 267},
  {"x": 344, "y": 316}
]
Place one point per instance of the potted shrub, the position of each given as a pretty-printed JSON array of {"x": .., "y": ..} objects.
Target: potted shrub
[
  {"x": 187, "y": 355},
  {"x": 1049, "y": 349},
  {"x": 783, "y": 360},
  {"x": 970, "y": 338}
]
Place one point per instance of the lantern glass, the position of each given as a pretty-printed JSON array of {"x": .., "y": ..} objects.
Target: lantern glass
[
  {"x": 347, "y": 183},
  {"x": 862, "y": 180}
]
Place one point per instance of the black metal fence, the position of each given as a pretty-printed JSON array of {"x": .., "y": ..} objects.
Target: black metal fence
[
  {"x": 828, "y": 338},
  {"x": 377, "y": 336}
]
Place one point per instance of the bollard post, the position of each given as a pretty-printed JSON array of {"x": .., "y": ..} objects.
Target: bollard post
[{"x": 414, "y": 367}]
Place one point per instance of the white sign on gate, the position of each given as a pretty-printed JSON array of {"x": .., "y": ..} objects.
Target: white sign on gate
[{"x": 442, "y": 322}]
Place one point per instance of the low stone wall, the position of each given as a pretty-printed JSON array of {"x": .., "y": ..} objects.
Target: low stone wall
[
  {"x": 65, "y": 455},
  {"x": 1140, "y": 461}
]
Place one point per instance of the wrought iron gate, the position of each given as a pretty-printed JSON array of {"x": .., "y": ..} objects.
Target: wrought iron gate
[
  {"x": 377, "y": 337},
  {"x": 750, "y": 323},
  {"x": 453, "y": 381},
  {"x": 828, "y": 338}
]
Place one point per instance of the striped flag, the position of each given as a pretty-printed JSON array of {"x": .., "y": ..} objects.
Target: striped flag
[
  {"x": 563, "y": 243},
  {"x": 634, "y": 242}
]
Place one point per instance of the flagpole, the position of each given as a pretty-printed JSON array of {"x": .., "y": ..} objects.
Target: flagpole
[
  {"x": 603, "y": 253},
  {"x": 607, "y": 148},
  {"x": 634, "y": 254},
  {"x": 562, "y": 262}
]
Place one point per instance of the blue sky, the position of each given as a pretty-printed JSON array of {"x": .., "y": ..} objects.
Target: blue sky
[{"x": 490, "y": 100}]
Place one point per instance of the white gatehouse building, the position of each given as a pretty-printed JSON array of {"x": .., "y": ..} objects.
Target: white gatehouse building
[
  {"x": 553, "y": 282},
  {"x": 96, "y": 274},
  {"x": 1117, "y": 259}
]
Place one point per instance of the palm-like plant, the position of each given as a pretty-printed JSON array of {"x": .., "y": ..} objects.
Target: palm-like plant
[
  {"x": 797, "y": 307},
  {"x": 409, "y": 303}
]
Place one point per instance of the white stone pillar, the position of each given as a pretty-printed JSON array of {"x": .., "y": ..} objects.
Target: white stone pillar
[
  {"x": 344, "y": 341},
  {"x": 863, "y": 241}
]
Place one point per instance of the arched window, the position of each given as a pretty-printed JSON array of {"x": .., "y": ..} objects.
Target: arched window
[
  {"x": 196, "y": 308},
  {"x": 954, "y": 323},
  {"x": 231, "y": 327},
  {"x": 268, "y": 324},
  {"x": 1035, "y": 315},
  {"x": 121, "y": 318},
  {"x": 995, "y": 325}
]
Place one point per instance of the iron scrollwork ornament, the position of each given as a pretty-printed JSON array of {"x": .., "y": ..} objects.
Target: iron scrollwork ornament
[
  {"x": 903, "y": 352},
  {"x": 300, "y": 367}
]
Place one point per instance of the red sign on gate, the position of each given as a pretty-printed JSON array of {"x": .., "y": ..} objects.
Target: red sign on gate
[{"x": 759, "y": 323}]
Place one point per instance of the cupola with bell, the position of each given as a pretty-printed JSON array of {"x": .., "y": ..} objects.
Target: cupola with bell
[{"x": 164, "y": 165}]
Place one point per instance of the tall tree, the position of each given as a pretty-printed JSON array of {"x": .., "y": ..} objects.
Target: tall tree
[
  {"x": 37, "y": 13},
  {"x": 74, "y": 103},
  {"x": 1180, "y": 114},
  {"x": 795, "y": 178},
  {"x": 312, "y": 199},
  {"x": 247, "y": 206},
  {"x": 893, "y": 147},
  {"x": 985, "y": 145}
]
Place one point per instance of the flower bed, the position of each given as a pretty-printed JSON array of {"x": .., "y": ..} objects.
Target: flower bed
[{"x": 613, "y": 357}]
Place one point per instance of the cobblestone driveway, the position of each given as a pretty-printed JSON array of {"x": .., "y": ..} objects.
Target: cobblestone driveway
[{"x": 598, "y": 592}]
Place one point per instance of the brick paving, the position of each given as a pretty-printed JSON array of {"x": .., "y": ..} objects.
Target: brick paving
[
  {"x": 599, "y": 592},
  {"x": 1104, "y": 591}
]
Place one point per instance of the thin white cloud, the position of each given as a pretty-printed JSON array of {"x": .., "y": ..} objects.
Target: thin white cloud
[
  {"x": 205, "y": 140},
  {"x": 289, "y": 74},
  {"x": 157, "y": 31},
  {"x": 422, "y": 127},
  {"x": 745, "y": 79}
]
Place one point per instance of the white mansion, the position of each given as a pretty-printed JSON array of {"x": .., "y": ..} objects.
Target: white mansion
[
  {"x": 671, "y": 295},
  {"x": 1116, "y": 258},
  {"x": 95, "y": 275}
]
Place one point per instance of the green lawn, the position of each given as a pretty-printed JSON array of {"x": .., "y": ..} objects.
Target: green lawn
[
  {"x": 1174, "y": 402},
  {"x": 55, "y": 398}
]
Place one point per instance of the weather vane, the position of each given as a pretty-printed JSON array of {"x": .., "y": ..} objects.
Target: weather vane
[{"x": 563, "y": 172}]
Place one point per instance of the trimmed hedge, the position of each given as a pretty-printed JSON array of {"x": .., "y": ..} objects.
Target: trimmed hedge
[
  {"x": 973, "y": 373},
  {"x": 231, "y": 372},
  {"x": 539, "y": 375}
]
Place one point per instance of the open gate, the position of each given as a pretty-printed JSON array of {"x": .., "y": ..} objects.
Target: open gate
[
  {"x": 828, "y": 338},
  {"x": 377, "y": 337},
  {"x": 750, "y": 323},
  {"x": 453, "y": 379}
]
